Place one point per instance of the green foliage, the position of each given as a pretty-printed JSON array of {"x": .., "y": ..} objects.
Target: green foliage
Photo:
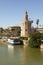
[
  {"x": 35, "y": 39},
  {"x": 41, "y": 36},
  {"x": 24, "y": 38},
  {"x": 37, "y": 22}
]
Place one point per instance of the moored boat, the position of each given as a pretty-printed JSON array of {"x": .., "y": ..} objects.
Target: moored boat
[{"x": 15, "y": 41}]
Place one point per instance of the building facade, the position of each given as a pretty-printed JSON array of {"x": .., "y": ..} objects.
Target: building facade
[{"x": 40, "y": 30}]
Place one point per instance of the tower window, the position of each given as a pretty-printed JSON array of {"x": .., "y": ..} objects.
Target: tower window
[
  {"x": 25, "y": 22},
  {"x": 25, "y": 29}
]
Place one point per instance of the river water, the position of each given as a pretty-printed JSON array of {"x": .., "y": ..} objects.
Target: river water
[{"x": 20, "y": 55}]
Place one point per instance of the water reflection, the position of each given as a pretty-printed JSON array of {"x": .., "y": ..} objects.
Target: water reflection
[
  {"x": 25, "y": 55},
  {"x": 20, "y": 55},
  {"x": 41, "y": 51},
  {"x": 16, "y": 54},
  {"x": 10, "y": 50},
  {"x": 10, "y": 47}
]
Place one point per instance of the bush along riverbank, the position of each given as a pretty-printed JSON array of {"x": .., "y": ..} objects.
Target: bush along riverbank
[{"x": 35, "y": 40}]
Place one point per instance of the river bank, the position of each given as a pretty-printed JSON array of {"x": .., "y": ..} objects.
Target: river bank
[{"x": 2, "y": 41}]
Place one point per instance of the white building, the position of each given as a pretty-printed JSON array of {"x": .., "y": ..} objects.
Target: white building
[{"x": 40, "y": 29}]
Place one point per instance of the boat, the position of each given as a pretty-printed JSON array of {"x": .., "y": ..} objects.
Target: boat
[
  {"x": 41, "y": 41},
  {"x": 15, "y": 41}
]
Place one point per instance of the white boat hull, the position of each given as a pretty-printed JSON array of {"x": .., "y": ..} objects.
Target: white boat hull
[
  {"x": 10, "y": 41},
  {"x": 14, "y": 42}
]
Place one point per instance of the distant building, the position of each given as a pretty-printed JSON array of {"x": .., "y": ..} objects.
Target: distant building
[
  {"x": 11, "y": 28},
  {"x": 40, "y": 28},
  {"x": 25, "y": 26},
  {"x": 15, "y": 30}
]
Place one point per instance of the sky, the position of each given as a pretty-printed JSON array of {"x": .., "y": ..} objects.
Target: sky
[{"x": 12, "y": 12}]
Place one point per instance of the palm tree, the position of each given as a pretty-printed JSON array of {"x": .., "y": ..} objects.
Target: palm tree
[{"x": 37, "y": 22}]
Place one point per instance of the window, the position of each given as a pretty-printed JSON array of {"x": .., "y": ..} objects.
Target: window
[{"x": 25, "y": 29}]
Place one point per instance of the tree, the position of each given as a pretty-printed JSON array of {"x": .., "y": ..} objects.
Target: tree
[
  {"x": 37, "y": 22},
  {"x": 35, "y": 39},
  {"x": 31, "y": 21}
]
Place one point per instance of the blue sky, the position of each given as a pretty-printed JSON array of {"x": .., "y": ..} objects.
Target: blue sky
[{"x": 12, "y": 11}]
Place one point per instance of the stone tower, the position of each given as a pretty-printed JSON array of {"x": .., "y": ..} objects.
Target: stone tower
[{"x": 25, "y": 26}]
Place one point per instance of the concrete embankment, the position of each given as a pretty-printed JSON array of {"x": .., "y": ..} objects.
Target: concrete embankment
[
  {"x": 25, "y": 42},
  {"x": 2, "y": 41}
]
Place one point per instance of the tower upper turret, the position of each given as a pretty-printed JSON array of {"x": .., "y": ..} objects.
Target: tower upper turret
[{"x": 26, "y": 16}]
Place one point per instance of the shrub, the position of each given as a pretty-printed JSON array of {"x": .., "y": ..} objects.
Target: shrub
[
  {"x": 35, "y": 39},
  {"x": 24, "y": 38},
  {"x": 42, "y": 36}
]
